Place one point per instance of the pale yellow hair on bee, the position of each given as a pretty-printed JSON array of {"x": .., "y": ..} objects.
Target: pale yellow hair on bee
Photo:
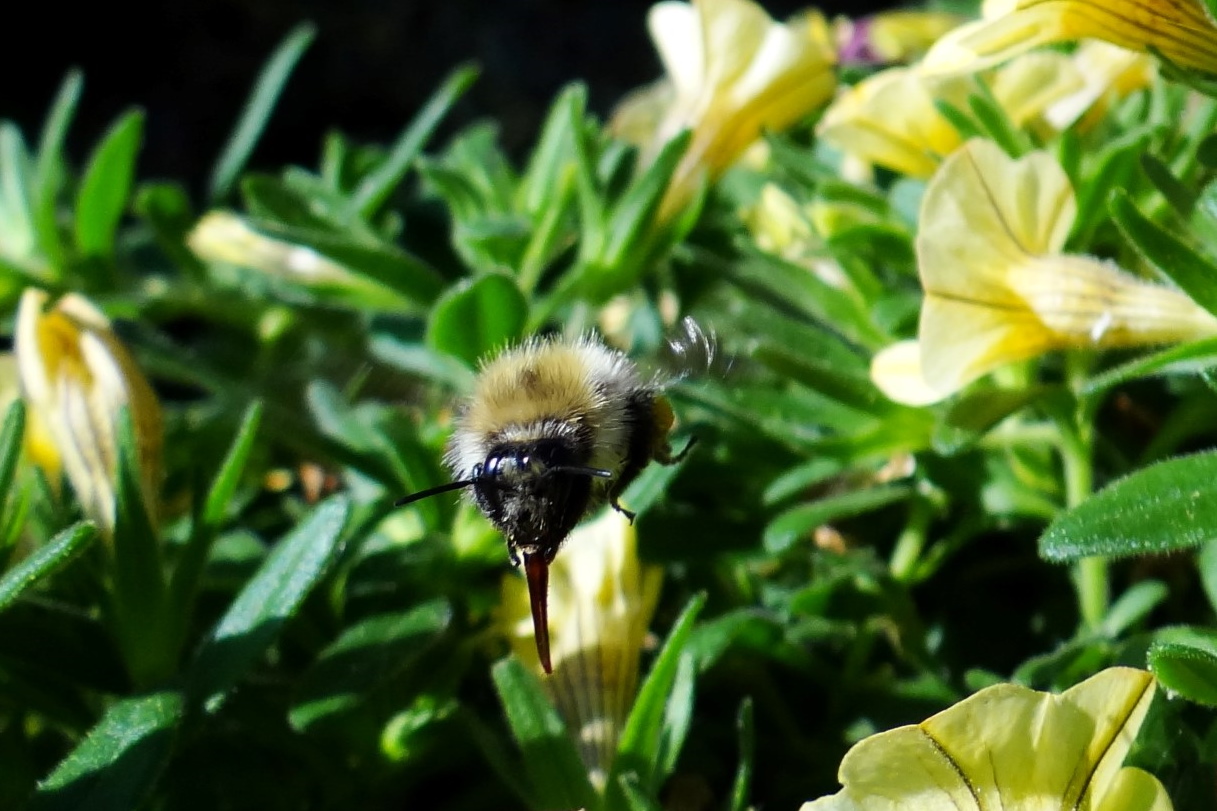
[{"x": 572, "y": 385}]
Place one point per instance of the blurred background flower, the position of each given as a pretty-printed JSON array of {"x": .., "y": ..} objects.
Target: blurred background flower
[
  {"x": 77, "y": 377},
  {"x": 732, "y": 73},
  {"x": 1178, "y": 29}
]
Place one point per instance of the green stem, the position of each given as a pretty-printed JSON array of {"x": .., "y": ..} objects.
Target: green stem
[
  {"x": 1090, "y": 575},
  {"x": 907, "y": 554}
]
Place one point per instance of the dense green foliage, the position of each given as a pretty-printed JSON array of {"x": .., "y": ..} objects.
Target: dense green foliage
[{"x": 835, "y": 563}]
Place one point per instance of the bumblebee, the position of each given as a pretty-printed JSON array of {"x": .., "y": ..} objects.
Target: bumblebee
[{"x": 553, "y": 431}]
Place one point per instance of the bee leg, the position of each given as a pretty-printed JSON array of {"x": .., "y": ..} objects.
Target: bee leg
[
  {"x": 616, "y": 505},
  {"x": 680, "y": 457},
  {"x": 513, "y": 555}
]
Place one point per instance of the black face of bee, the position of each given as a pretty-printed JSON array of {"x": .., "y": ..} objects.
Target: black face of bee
[{"x": 528, "y": 491}]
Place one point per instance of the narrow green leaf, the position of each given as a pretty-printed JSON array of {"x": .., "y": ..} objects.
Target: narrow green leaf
[
  {"x": 677, "y": 716},
  {"x": 553, "y": 156},
  {"x": 16, "y": 189},
  {"x": 639, "y": 748},
  {"x": 747, "y": 753},
  {"x": 1185, "y": 660},
  {"x": 47, "y": 560},
  {"x": 477, "y": 317},
  {"x": 369, "y": 655},
  {"x": 1192, "y": 271},
  {"x": 975, "y": 414},
  {"x": 144, "y": 627},
  {"x": 1175, "y": 192},
  {"x": 117, "y": 765},
  {"x": 797, "y": 522},
  {"x": 557, "y": 775},
  {"x": 852, "y": 390},
  {"x": 225, "y": 483},
  {"x": 12, "y": 441},
  {"x": 254, "y": 619},
  {"x": 1133, "y": 605},
  {"x": 372, "y": 192},
  {"x": 632, "y": 797},
  {"x": 49, "y": 172},
  {"x": 107, "y": 185},
  {"x": 1167, "y": 506},
  {"x": 1189, "y": 358},
  {"x": 633, "y": 214},
  {"x": 258, "y": 108}
]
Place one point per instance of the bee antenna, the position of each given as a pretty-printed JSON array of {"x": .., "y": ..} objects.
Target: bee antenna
[
  {"x": 434, "y": 491},
  {"x": 579, "y": 470}
]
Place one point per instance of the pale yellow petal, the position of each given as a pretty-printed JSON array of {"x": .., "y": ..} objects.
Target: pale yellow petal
[
  {"x": 897, "y": 770},
  {"x": 1009, "y": 747},
  {"x": 983, "y": 213},
  {"x": 1179, "y": 29},
  {"x": 890, "y": 119},
  {"x": 896, "y": 371},
  {"x": 676, "y": 32},
  {"x": 1016, "y": 744},
  {"x": 1132, "y": 790},
  {"x": 963, "y": 340},
  {"x": 1106, "y": 71},
  {"x": 901, "y": 36},
  {"x": 1028, "y": 86}
]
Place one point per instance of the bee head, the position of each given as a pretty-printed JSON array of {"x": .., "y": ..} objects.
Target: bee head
[{"x": 517, "y": 469}]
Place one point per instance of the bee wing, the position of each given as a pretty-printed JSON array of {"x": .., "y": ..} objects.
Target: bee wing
[{"x": 692, "y": 351}]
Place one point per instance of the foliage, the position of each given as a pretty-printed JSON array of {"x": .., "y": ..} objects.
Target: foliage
[{"x": 271, "y": 633}]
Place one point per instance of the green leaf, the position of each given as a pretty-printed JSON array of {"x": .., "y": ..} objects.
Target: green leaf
[
  {"x": 268, "y": 600},
  {"x": 975, "y": 414},
  {"x": 47, "y": 560},
  {"x": 144, "y": 627},
  {"x": 225, "y": 484},
  {"x": 50, "y": 169},
  {"x": 106, "y": 185},
  {"x": 258, "y": 108},
  {"x": 368, "y": 655},
  {"x": 1193, "y": 272},
  {"x": 1167, "y": 506},
  {"x": 747, "y": 753},
  {"x": 376, "y": 187},
  {"x": 633, "y": 215},
  {"x": 1189, "y": 358},
  {"x": 166, "y": 208},
  {"x": 117, "y": 765},
  {"x": 1206, "y": 562},
  {"x": 797, "y": 522},
  {"x": 477, "y": 317},
  {"x": 643, "y": 738},
  {"x": 1175, "y": 192},
  {"x": 1185, "y": 660},
  {"x": 12, "y": 441},
  {"x": 1133, "y": 606},
  {"x": 556, "y": 774}
]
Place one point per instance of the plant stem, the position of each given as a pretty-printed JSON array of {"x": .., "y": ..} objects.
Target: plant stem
[
  {"x": 907, "y": 554},
  {"x": 1090, "y": 575}
]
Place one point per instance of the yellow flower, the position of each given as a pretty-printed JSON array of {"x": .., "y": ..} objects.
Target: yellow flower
[
  {"x": 76, "y": 376},
  {"x": 732, "y": 73},
  {"x": 997, "y": 287},
  {"x": 1107, "y": 72},
  {"x": 890, "y": 119},
  {"x": 601, "y": 600},
  {"x": 1178, "y": 29},
  {"x": 1011, "y": 747},
  {"x": 892, "y": 36}
]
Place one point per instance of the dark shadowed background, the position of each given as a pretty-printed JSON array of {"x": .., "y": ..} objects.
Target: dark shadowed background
[{"x": 190, "y": 64}]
